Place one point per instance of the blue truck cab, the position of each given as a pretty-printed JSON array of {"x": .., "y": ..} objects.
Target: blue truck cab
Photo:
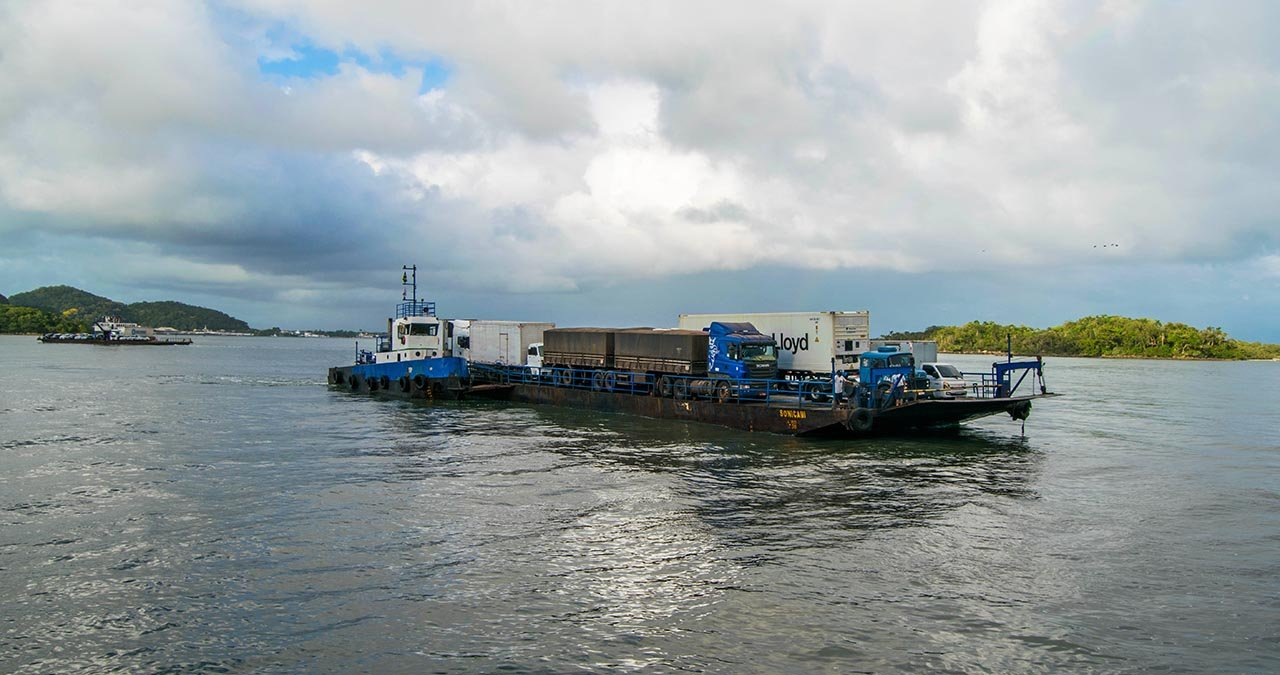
[
  {"x": 738, "y": 351},
  {"x": 883, "y": 376}
]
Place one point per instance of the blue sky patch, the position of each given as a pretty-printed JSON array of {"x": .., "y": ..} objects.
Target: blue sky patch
[{"x": 307, "y": 61}]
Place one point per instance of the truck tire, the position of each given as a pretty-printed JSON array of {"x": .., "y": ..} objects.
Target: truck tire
[
  {"x": 722, "y": 392},
  {"x": 355, "y": 382},
  {"x": 597, "y": 381},
  {"x": 680, "y": 389},
  {"x": 814, "y": 391},
  {"x": 663, "y": 386},
  {"x": 1020, "y": 411},
  {"x": 610, "y": 381}
]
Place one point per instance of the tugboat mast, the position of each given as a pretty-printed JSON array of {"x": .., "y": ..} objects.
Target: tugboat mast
[{"x": 409, "y": 282}]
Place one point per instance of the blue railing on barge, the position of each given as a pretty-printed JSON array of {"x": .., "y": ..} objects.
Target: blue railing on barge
[{"x": 771, "y": 393}]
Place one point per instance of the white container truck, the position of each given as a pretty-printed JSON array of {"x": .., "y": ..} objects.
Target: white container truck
[
  {"x": 810, "y": 344},
  {"x": 505, "y": 342}
]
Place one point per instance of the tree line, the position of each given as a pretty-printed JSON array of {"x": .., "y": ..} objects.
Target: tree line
[
  {"x": 17, "y": 319},
  {"x": 1114, "y": 336}
]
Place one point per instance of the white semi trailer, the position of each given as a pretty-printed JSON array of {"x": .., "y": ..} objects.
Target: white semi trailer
[
  {"x": 810, "y": 344},
  {"x": 505, "y": 342}
]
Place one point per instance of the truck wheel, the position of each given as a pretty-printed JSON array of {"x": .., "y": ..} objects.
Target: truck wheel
[
  {"x": 610, "y": 381},
  {"x": 562, "y": 378},
  {"x": 680, "y": 389},
  {"x": 663, "y": 386},
  {"x": 814, "y": 391},
  {"x": 722, "y": 392},
  {"x": 597, "y": 380}
]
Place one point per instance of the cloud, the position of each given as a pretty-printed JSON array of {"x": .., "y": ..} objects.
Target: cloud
[{"x": 567, "y": 147}]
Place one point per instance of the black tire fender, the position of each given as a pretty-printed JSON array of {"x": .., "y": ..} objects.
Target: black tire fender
[{"x": 862, "y": 419}]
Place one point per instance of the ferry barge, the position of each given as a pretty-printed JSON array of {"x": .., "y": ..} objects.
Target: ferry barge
[
  {"x": 813, "y": 408},
  {"x": 726, "y": 375},
  {"x": 112, "y": 331}
]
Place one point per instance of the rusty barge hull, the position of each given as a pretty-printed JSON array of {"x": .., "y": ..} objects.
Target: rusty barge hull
[{"x": 809, "y": 419}]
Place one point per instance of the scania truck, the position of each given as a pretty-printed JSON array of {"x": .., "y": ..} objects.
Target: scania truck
[{"x": 720, "y": 361}]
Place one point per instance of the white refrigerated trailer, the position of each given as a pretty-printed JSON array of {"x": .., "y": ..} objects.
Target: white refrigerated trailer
[
  {"x": 505, "y": 342},
  {"x": 810, "y": 344}
]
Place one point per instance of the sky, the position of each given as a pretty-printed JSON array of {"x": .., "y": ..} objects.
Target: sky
[{"x": 620, "y": 163}]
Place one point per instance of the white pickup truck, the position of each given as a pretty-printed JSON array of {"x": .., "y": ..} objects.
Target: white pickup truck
[{"x": 945, "y": 379}]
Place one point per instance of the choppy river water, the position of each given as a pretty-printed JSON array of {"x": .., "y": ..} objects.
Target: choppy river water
[{"x": 217, "y": 508}]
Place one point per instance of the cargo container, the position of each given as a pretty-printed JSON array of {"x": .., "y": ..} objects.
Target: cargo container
[
  {"x": 578, "y": 347},
  {"x": 678, "y": 352},
  {"x": 505, "y": 342},
  {"x": 810, "y": 344}
]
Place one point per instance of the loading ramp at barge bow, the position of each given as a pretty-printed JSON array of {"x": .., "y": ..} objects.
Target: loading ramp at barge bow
[{"x": 793, "y": 417}]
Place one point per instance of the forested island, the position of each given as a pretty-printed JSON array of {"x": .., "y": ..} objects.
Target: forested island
[
  {"x": 66, "y": 309},
  {"x": 1097, "y": 336}
]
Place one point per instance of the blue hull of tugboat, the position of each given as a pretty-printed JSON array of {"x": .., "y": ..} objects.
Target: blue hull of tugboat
[{"x": 437, "y": 378}]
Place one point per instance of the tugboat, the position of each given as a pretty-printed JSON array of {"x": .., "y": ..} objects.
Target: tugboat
[
  {"x": 112, "y": 331},
  {"x": 414, "y": 359}
]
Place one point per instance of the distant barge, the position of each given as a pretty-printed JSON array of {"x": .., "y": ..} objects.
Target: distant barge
[
  {"x": 725, "y": 375},
  {"x": 113, "y": 331}
]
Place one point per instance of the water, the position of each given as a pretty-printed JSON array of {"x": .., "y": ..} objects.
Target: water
[{"x": 216, "y": 508}]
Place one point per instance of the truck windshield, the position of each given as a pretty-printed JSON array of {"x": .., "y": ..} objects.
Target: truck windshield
[
  {"x": 899, "y": 360},
  {"x": 758, "y": 353},
  {"x": 946, "y": 370}
]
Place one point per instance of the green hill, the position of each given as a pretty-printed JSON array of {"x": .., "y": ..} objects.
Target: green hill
[
  {"x": 1114, "y": 336},
  {"x": 181, "y": 316},
  {"x": 3, "y": 300},
  {"x": 58, "y": 299},
  {"x": 67, "y": 302}
]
